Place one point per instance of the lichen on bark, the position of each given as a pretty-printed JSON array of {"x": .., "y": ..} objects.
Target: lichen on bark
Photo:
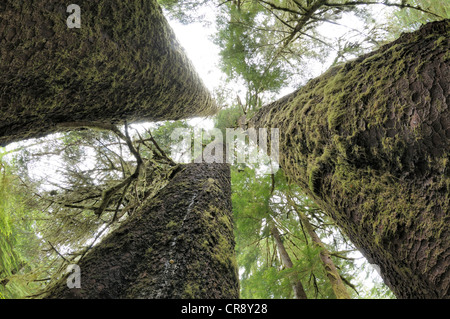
[
  {"x": 124, "y": 63},
  {"x": 369, "y": 141},
  {"x": 179, "y": 245}
]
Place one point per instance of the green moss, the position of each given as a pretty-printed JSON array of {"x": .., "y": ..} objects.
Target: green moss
[
  {"x": 211, "y": 185},
  {"x": 218, "y": 244},
  {"x": 314, "y": 178},
  {"x": 350, "y": 144},
  {"x": 191, "y": 290},
  {"x": 226, "y": 220},
  {"x": 446, "y": 56},
  {"x": 171, "y": 224},
  {"x": 440, "y": 41},
  {"x": 151, "y": 80}
]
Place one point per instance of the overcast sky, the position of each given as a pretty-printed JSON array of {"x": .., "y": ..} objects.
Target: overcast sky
[{"x": 204, "y": 54}]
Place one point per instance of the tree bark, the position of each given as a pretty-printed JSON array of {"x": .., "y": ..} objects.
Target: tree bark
[
  {"x": 369, "y": 142},
  {"x": 180, "y": 245},
  {"x": 123, "y": 63},
  {"x": 297, "y": 286}
]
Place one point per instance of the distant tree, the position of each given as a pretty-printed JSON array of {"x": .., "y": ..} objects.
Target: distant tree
[
  {"x": 278, "y": 250},
  {"x": 123, "y": 64},
  {"x": 19, "y": 243},
  {"x": 368, "y": 142}
]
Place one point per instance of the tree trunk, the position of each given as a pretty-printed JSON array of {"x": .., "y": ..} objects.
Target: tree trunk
[
  {"x": 123, "y": 63},
  {"x": 299, "y": 292},
  {"x": 333, "y": 275},
  {"x": 369, "y": 142},
  {"x": 180, "y": 245}
]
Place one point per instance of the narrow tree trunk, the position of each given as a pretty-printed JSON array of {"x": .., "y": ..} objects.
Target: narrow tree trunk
[
  {"x": 123, "y": 63},
  {"x": 369, "y": 142},
  {"x": 180, "y": 245},
  {"x": 333, "y": 275},
  {"x": 299, "y": 292}
]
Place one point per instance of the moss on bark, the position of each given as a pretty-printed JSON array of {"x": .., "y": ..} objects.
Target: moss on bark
[
  {"x": 180, "y": 245},
  {"x": 124, "y": 63},
  {"x": 369, "y": 141}
]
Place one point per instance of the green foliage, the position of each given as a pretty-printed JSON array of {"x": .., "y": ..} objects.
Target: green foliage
[
  {"x": 258, "y": 202},
  {"x": 48, "y": 216},
  {"x": 163, "y": 131},
  {"x": 257, "y": 51},
  {"x": 411, "y": 20},
  {"x": 268, "y": 45},
  {"x": 19, "y": 245},
  {"x": 184, "y": 11},
  {"x": 263, "y": 274},
  {"x": 246, "y": 53},
  {"x": 228, "y": 118}
]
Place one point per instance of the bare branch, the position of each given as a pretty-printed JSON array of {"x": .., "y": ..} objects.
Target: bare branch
[{"x": 274, "y": 6}]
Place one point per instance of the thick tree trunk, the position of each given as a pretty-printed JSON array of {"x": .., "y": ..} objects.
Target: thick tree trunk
[
  {"x": 297, "y": 286},
  {"x": 180, "y": 245},
  {"x": 369, "y": 141},
  {"x": 124, "y": 63}
]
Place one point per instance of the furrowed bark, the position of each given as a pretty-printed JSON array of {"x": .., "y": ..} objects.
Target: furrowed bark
[
  {"x": 369, "y": 142},
  {"x": 124, "y": 63},
  {"x": 180, "y": 245}
]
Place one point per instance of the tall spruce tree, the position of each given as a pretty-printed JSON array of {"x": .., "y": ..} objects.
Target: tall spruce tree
[
  {"x": 180, "y": 244},
  {"x": 123, "y": 64},
  {"x": 368, "y": 141}
]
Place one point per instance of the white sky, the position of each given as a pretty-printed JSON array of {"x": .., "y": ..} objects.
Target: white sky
[
  {"x": 205, "y": 57},
  {"x": 201, "y": 51},
  {"x": 204, "y": 54}
]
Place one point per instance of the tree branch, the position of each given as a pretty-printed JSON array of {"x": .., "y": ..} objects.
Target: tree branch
[{"x": 384, "y": 3}]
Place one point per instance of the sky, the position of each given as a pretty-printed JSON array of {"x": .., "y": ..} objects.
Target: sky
[{"x": 204, "y": 54}]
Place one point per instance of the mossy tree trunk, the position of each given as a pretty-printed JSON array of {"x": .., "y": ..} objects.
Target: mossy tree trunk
[
  {"x": 180, "y": 245},
  {"x": 369, "y": 142},
  {"x": 123, "y": 63}
]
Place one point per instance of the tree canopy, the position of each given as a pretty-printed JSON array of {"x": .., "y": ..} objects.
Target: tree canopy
[{"x": 60, "y": 195}]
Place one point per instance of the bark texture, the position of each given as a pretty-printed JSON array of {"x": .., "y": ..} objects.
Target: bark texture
[
  {"x": 180, "y": 245},
  {"x": 370, "y": 142},
  {"x": 124, "y": 63}
]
